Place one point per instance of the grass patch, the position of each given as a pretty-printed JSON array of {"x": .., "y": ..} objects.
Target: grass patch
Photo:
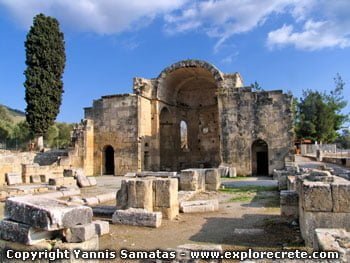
[
  {"x": 250, "y": 188},
  {"x": 253, "y": 193}
]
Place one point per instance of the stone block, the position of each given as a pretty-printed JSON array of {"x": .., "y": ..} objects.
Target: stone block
[
  {"x": 166, "y": 192},
  {"x": 82, "y": 181},
  {"x": 140, "y": 194},
  {"x": 309, "y": 221},
  {"x": 91, "y": 200},
  {"x": 212, "y": 179},
  {"x": 92, "y": 180},
  {"x": 44, "y": 213},
  {"x": 122, "y": 195},
  {"x": 79, "y": 233},
  {"x": 63, "y": 181},
  {"x": 227, "y": 171},
  {"x": 101, "y": 227},
  {"x": 22, "y": 233},
  {"x": 341, "y": 197},
  {"x": 103, "y": 198},
  {"x": 35, "y": 179},
  {"x": 289, "y": 202},
  {"x": 3, "y": 195},
  {"x": 317, "y": 196},
  {"x": 333, "y": 239},
  {"x": 137, "y": 217},
  {"x": 189, "y": 180},
  {"x": 13, "y": 178},
  {"x": 166, "y": 197},
  {"x": 200, "y": 206}
]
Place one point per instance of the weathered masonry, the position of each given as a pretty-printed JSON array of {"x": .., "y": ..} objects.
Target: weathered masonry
[{"x": 191, "y": 115}]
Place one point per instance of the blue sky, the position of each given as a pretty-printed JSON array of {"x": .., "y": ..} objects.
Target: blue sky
[{"x": 281, "y": 44}]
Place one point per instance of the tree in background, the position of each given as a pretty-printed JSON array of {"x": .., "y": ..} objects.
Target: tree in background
[
  {"x": 319, "y": 114},
  {"x": 343, "y": 141},
  {"x": 45, "y": 60}
]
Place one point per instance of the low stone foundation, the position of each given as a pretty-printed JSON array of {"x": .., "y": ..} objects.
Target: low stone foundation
[{"x": 324, "y": 202}]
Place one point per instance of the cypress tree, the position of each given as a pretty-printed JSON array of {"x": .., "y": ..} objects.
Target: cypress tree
[{"x": 45, "y": 60}]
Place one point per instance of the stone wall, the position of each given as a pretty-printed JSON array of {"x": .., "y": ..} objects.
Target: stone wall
[
  {"x": 324, "y": 202},
  {"x": 223, "y": 121},
  {"x": 247, "y": 116},
  {"x": 11, "y": 162},
  {"x": 115, "y": 121}
]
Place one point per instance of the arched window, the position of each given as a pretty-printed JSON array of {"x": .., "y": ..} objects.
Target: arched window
[{"x": 184, "y": 135}]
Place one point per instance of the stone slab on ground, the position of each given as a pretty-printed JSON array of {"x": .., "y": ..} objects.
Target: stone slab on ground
[
  {"x": 333, "y": 239},
  {"x": 80, "y": 233},
  {"x": 137, "y": 217},
  {"x": 22, "y": 233},
  {"x": 91, "y": 200},
  {"x": 101, "y": 227},
  {"x": 44, "y": 213},
  {"x": 13, "y": 178},
  {"x": 103, "y": 198},
  {"x": 200, "y": 206},
  {"x": 82, "y": 181}
]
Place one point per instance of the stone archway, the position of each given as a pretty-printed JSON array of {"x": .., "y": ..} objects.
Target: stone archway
[
  {"x": 189, "y": 90},
  {"x": 108, "y": 164},
  {"x": 260, "y": 158}
]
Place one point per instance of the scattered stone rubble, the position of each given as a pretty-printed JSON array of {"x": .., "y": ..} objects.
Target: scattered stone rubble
[
  {"x": 34, "y": 222},
  {"x": 145, "y": 193}
]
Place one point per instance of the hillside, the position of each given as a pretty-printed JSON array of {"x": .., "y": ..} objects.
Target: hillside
[{"x": 15, "y": 115}]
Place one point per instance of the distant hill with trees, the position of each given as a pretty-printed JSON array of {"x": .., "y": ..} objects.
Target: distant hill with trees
[{"x": 15, "y": 132}]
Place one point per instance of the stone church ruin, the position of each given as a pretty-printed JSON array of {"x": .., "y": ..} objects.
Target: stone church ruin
[{"x": 191, "y": 116}]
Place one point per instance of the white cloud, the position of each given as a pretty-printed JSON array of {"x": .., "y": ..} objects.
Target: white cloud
[
  {"x": 225, "y": 18},
  {"x": 330, "y": 29},
  {"x": 230, "y": 58},
  {"x": 99, "y": 16},
  {"x": 314, "y": 24}
]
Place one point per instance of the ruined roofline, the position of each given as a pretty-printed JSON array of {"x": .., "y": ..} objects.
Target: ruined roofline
[
  {"x": 193, "y": 63},
  {"x": 117, "y": 95}
]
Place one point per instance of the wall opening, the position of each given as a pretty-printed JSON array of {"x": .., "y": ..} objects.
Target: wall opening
[
  {"x": 260, "y": 158},
  {"x": 184, "y": 136},
  {"x": 109, "y": 160}
]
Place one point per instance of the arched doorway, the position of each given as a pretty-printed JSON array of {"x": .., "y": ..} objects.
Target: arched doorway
[
  {"x": 109, "y": 160},
  {"x": 260, "y": 158},
  {"x": 166, "y": 140}
]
